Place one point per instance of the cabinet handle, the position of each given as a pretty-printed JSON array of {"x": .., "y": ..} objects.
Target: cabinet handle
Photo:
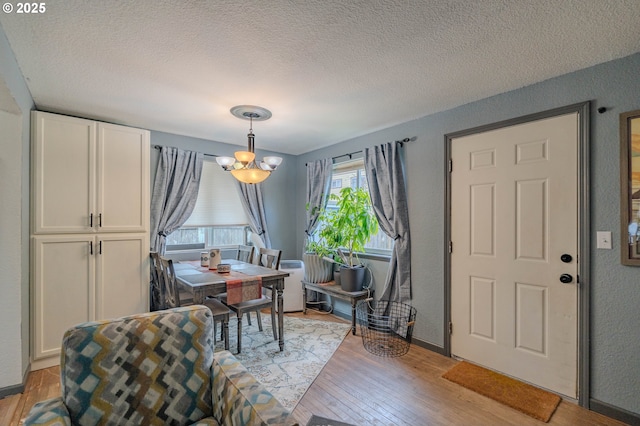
[
  {"x": 91, "y": 247},
  {"x": 91, "y": 220},
  {"x": 100, "y": 247},
  {"x": 100, "y": 220}
]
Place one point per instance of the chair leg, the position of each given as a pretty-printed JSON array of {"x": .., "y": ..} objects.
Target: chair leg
[
  {"x": 225, "y": 330},
  {"x": 215, "y": 330},
  {"x": 239, "y": 332},
  {"x": 248, "y": 318},
  {"x": 274, "y": 327},
  {"x": 259, "y": 320}
]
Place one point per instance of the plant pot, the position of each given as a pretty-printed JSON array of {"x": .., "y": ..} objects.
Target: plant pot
[
  {"x": 351, "y": 278},
  {"x": 316, "y": 269}
]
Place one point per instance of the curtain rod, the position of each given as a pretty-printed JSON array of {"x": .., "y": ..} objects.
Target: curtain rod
[
  {"x": 159, "y": 147},
  {"x": 350, "y": 154}
]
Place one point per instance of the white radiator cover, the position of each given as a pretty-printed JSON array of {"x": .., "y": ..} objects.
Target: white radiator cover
[{"x": 292, "y": 284}]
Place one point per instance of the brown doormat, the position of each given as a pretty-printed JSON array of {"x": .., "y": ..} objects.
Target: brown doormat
[{"x": 528, "y": 399}]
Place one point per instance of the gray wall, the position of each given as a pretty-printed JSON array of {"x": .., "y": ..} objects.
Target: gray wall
[
  {"x": 278, "y": 190},
  {"x": 15, "y": 105},
  {"x": 615, "y": 289}
]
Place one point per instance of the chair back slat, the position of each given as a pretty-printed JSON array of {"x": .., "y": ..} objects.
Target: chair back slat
[
  {"x": 171, "y": 295},
  {"x": 269, "y": 258},
  {"x": 245, "y": 253},
  {"x": 157, "y": 292}
]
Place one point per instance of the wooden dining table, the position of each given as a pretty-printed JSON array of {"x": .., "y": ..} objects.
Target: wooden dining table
[{"x": 202, "y": 282}]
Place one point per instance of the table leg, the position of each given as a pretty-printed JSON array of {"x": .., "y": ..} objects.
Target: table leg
[
  {"x": 198, "y": 296},
  {"x": 280, "y": 317},
  {"x": 225, "y": 331}
]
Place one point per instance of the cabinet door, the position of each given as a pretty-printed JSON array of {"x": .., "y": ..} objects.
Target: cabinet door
[
  {"x": 62, "y": 289},
  {"x": 122, "y": 179},
  {"x": 63, "y": 162},
  {"x": 122, "y": 275}
]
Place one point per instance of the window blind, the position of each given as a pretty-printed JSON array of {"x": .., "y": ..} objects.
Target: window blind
[{"x": 218, "y": 200}]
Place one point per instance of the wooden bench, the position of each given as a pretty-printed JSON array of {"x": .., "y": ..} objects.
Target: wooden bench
[{"x": 332, "y": 289}]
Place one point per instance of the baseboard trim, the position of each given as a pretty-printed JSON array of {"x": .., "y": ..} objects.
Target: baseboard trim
[
  {"x": 614, "y": 412},
  {"x": 11, "y": 390},
  {"x": 429, "y": 346},
  {"x": 15, "y": 389}
]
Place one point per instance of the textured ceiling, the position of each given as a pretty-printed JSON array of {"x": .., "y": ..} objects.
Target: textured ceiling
[{"x": 329, "y": 70}]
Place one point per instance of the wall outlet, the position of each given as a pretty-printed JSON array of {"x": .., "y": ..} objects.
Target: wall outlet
[{"x": 603, "y": 240}]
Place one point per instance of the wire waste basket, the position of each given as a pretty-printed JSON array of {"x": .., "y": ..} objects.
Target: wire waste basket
[{"x": 386, "y": 327}]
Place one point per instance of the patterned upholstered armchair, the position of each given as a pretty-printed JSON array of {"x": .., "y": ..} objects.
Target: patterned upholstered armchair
[{"x": 154, "y": 369}]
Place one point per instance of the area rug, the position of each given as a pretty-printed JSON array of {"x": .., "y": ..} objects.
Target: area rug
[
  {"x": 528, "y": 399},
  {"x": 323, "y": 421},
  {"x": 308, "y": 345}
]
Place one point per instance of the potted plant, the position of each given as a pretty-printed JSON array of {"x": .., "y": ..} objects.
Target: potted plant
[
  {"x": 317, "y": 269},
  {"x": 344, "y": 231}
]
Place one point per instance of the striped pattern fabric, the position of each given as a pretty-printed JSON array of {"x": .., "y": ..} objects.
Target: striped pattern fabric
[
  {"x": 241, "y": 290},
  {"x": 150, "y": 369}
]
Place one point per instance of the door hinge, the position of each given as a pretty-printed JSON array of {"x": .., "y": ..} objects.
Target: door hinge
[
  {"x": 450, "y": 327},
  {"x": 450, "y": 166},
  {"x": 450, "y": 246}
]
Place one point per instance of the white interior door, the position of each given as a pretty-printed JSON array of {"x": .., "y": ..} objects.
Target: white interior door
[{"x": 514, "y": 218}]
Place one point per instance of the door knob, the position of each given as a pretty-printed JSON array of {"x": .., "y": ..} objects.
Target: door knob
[
  {"x": 566, "y": 278},
  {"x": 566, "y": 258}
]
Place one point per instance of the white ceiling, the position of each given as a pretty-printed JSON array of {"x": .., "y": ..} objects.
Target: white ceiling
[{"x": 329, "y": 70}]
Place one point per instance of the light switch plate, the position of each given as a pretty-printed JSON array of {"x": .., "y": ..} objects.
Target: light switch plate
[{"x": 603, "y": 240}]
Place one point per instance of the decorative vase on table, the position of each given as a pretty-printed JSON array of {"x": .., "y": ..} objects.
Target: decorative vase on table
[{"x": 214, "y": 258}]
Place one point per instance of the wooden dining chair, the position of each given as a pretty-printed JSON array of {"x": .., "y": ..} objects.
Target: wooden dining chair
[
  {"x": 171, "y": 297},
  {"x": 269, "y": 258},
  {"x": 245, "y": 253},
  {"x": 155, "y": 300},
  {"x": 272, "y": 258}
]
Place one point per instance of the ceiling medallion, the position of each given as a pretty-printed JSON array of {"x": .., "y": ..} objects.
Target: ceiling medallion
[{"x": 243, "y": 165}]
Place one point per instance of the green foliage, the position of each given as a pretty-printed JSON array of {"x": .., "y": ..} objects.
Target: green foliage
[{"x": 349, "y": 227}]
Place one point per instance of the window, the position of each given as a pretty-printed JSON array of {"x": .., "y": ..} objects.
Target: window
[
  {"x": 336, "y": 183},
  {"x": 218, "y": 218},
  {"x": 353, "y": 172}
]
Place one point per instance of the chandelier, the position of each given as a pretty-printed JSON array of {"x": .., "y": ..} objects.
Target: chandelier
[{"x": 243, "y": 165}]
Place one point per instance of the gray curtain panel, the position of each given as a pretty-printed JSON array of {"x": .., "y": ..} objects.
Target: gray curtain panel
[
  {"x": 175, "y": 192},
  {"x": 252, "y": 200},
  {"x": 385, "y": 174},
  {"x": 318, "y": 185}
]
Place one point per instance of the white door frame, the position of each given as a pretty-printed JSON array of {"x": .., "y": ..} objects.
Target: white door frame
[{"x": 584, "y": 250}]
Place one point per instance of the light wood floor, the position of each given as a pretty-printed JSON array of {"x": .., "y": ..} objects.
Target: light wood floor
[{"x": 364, "y": 389}]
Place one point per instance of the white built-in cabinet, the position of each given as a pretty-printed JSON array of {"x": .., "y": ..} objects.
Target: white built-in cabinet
[{"x": 90, "y": 226}]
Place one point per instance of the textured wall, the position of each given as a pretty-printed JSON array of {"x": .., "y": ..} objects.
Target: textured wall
[
  {"x": 615, "y": 316},
  {"x": 15, "y": 104}
]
